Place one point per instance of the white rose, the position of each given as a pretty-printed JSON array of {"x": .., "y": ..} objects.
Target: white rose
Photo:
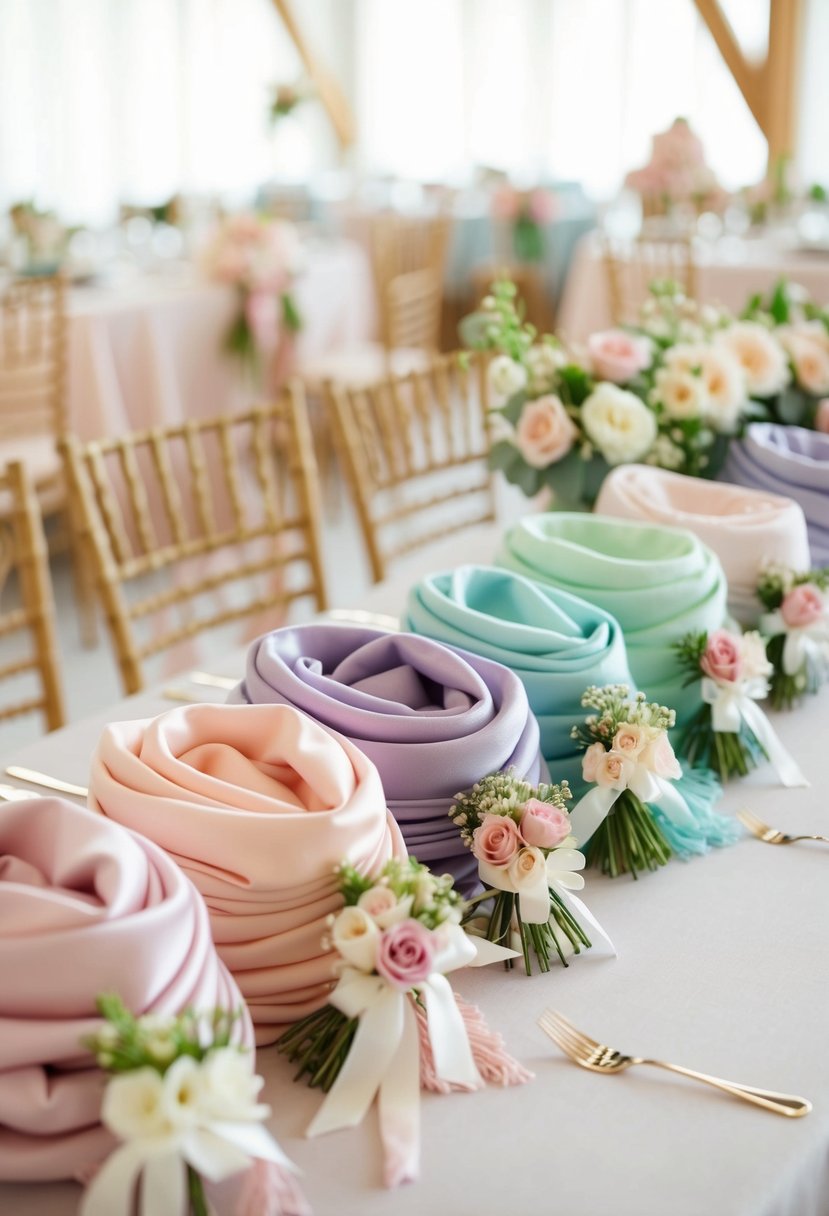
[
  {"x": 383, "y": 906},
  {"x": 506, "y": 377},
  {"x": 619, "y": 424},
  {"x": 760, "y": 355},
  {"x": 753, "y": 654},
  {"x": 133, "y": 1106},
  {"x": 722, "y": 378},
  {"x": 543, "y": 361},
  {"x": 681, "y": 393},
  {"x": 180, "y": 1093},
  {"x": 356, "y": 936},
  {"x": 810, "y": 357},
  {"x": 228, "y": 1087}
]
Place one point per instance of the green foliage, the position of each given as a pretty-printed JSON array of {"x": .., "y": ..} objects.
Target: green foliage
[{"x": 128, "y": 1042}]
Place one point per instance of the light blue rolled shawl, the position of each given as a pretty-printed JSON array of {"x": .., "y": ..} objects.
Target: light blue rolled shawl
[
  {"x": 556, "y": 643},
  {"x": 659, "y": 583}
]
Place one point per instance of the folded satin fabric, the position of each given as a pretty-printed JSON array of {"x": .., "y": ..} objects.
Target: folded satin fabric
[
  {"x": 659, "y": 583},
  {"x": 555, "y": 643},
  {"x": 433, "y": 719},
  {"x": 742, "y": 526},
  {"x": 85, "y": 908},
  {"x": 258, "y": 805},
  {"x": 787, "y": 460}
]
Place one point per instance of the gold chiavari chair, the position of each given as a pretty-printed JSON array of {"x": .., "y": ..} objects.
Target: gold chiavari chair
[
  {"x": 631, "y": 267},
  {"x": 415, "y": 451},
  {"x": 222, "y": 512},
  {"x": 27, "y": 608}
]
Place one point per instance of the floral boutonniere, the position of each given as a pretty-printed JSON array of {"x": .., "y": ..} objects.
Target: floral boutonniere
[
  {"x": 629, "y": 758},
  {"x": 183, "y": 1101},
  {"x": 529, "y": 865},
  {"x": 796, "y": 622},
  {"x": 730, "y": 732},
  {"x": 397, "y": 937}
]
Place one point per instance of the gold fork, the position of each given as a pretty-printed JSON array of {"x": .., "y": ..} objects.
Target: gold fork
[
  {"x": 598, "y": 1057},
  {"x": 771, "y": 835}
]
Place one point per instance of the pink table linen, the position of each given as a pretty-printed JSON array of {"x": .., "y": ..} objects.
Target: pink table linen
[
  {"x": 258, "y": 805},
  {"x": 742, "y": 526},
  {"x": 85, "y": 908}
]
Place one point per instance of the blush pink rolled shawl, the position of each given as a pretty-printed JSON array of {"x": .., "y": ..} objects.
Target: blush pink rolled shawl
[
  {"x": 742, "y": 526},
  {"x": 85, "y": 908},
  {"x": 258, "y": 804}
]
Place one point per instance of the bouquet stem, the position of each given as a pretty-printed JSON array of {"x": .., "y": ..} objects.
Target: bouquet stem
[
  {"x": 543, "y": 940},
  {"x": 785, "y": 690},
  {"x": 195, "y": 1190},
  {"x": 730, "y": 754},
  {"x": 628, "y": 840},
  {"x": 319, "y": 1043}
]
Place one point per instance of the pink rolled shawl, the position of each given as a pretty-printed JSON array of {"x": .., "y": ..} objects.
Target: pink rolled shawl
[
  {"x": 85, "y": 908},
  {"x": 258, "y": 805},
  {"x": 742, "y": 526}
]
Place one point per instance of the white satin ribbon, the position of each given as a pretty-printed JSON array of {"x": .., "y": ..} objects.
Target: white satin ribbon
[
  {"x": 215, "y": 1150},
  {"x": 384, "y": 1057},
  {"x": 802, "y": 643},
  {"x": 591, "y": 810},
  {"x": 733, "y": 703}
]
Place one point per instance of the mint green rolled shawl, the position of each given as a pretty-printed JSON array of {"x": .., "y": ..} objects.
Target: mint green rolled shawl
[
  {"x": 659, "y": 583},
  {"x": 556, "y": 643}
]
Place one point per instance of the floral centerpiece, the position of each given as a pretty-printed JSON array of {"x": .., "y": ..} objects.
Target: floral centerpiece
[
  {"x": 672, "y": 393},
  {"x": 527, "y": 211},
  {"x": 729, "y": 731},
  {"x": 796, "y": 622},
  {"x": 529, "y": 865},
  {"x": 397, "y": 937},
  {"x": 183, "y": 1101},
  {"x": 677, "y": 173},
  {"x": 260, "y": 257},
  {"x": 799, "y": 329}
]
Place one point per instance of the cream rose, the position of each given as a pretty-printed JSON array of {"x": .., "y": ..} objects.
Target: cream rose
[
  {"x": 544, "y": 434},
  {"x": 660, "y": 759},
  {"x": 355, "y": 936},
  {"x": 526, "y": 868},
  {"x": 810, "y": 360},
  {"x": 506, "y": 377},
  {"x": 383, "y": 907},
  {"x": 722, "y": 378},
  {"x": 619, "y": 424},
  {"x": 133, "y": 1107},
  {"x": 760, "y": 355},
  {"x": 630, "y": 739},
  {"x": 753, "y": 652},
  {"x": 614, "y": 771},
  {"x": 681, "y": 393}
]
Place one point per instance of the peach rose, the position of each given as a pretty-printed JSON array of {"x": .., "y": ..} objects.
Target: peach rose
[
  {"x": 802, "y": 606},
  {"x": 618, "y": 356},
  {"x": 592, "y": 759},
  {"x": 722, "y": 659},
  {"x": 544, "y": 434},
  {"x": 810, "y": 360},
  {"x": 660, "y": 759},
  {"x": 496, "y": 840},
  {"x": 543, "y": 824},
  {"x": 630, "y": 739},
  {"x": 822, "y": 416},
  {"x": 526, "y": 869},
  {"x": 614, "y": 771}
]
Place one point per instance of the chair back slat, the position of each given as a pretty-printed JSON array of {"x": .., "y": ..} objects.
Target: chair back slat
[
  {"x": 32, "y": 357},
  {"x": 632, "y": 266}
]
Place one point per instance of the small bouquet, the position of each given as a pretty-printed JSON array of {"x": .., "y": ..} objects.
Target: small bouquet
[
  {"x": 630, "y": 759},
  {"x": 527, "y": 211},
  {"x": 528, "y": 863},
  {"x": 796, "y": 622},
  {"x": 183, "y": 1100},
  {"x": 730, "y": 732},
  {"x": 799, "y": 328},
  {"x": 397, "y": 937},
  {"x": 260, "y": 257}
]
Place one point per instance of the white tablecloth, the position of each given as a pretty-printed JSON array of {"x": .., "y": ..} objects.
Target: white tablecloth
[
  {"x": 722, "y": 966},
  {"x": 730, "y": 271},
  {"x": 150, "y": 350}
]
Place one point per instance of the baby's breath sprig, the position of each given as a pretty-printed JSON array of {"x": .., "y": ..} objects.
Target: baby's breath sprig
[
  {"x": 502, "y": 794},
  {"x": 616, "y": 707}
]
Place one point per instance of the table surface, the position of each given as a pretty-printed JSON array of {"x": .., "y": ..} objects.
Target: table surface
[{"x": 722, "y": 966}]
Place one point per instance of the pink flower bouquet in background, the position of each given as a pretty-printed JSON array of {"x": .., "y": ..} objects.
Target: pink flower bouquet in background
[
  {"x": 528, "y": 211},
  {"x": 397, "y": 937},
  {"x": 677, "y": 173},
  {"x": 527, "y": 859},
  {"x": 260, "y": 257},
  {"x": 796, "y": 623},
  {"x": 730, "y": 733}
]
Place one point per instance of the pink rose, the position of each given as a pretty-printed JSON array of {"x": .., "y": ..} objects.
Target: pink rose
[
  {"x": 405, "y": 954},
  {"x": 822, "y": 416},
  {"x": 617, "y": 356},
  {"x": 545, "y": 432},
  {"x": 802, "y": 606},
  {"x": 544, "y": 825},
  {"x": 722, "y": 659},
  {"x": 591, "y": 761},
  {"x": 497, "y": 840},
  {"x": 659, "y": 757}
]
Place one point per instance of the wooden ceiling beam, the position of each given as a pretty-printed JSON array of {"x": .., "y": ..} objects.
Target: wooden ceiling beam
[{"x": 329, "y": 92}]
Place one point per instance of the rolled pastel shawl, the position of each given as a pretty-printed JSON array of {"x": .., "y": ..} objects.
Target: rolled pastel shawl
[
  {"x": 433, "y": 719},
  {"x": 86, "y": 908},
  {"x": 258, "y": 805},
  {"x": 659, "y": 583},
  {"x": 787, "y": 460},
  {"x": 743, "y": 526},
  {"x": 556, "y": 643}
]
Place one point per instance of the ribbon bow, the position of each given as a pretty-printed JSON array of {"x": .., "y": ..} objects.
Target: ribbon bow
[
  {"x": 732, "y": 703},
  {"x": 595, "y": 806},
  {"x": 384, "y": 1057},
  {"x": 803, "y": 642}
]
